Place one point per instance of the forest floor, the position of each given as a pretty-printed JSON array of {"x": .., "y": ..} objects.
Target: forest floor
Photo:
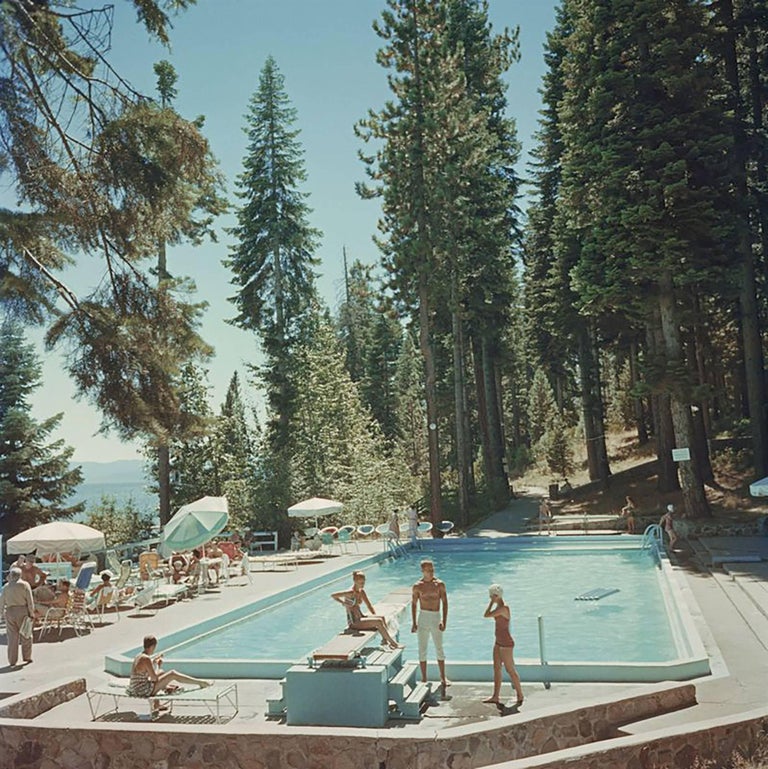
[{"x": 728, "y": 497}]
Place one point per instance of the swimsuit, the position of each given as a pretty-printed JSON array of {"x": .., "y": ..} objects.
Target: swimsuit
[
  {"x": 503, "y": 638},
  {"x": 354, "y": 612},
  {"x": 429, "y": 625},
  {"x": 140, "y": 686}
]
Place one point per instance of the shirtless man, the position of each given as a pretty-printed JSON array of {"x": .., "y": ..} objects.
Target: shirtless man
[
  {"x": 430, "y": 596},
  {"x": 31, "y": 573}
]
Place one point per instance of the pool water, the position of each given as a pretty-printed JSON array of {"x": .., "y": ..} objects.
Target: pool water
[{"x": 628, "y": 626}]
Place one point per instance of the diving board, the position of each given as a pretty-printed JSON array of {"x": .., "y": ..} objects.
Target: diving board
[
  {"x": 596, "y": 594},
  {"x": 345, "y": 646}
]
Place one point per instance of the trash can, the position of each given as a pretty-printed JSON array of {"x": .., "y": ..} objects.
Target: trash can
[{"x": 554, "y": 490}]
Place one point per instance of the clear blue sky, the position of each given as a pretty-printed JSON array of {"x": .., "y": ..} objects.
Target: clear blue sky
[{"x": 325, "y": 50}]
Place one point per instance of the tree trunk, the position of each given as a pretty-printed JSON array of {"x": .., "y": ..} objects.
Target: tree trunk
[
  {"x": 430, "y": 393},
  {"x": 592, "y": 407},
  {"x": 459, "y": 397},
  {"x": 164, "y": 482},
  {"x": 754, "y": 365},
  {"x": 662, "y": 416},
  {"x": 482, "y": 402},
  {"x": 637, "y": 402},
  {"x": 694, "y": 498},
  {"x": 498, "y": 483}
]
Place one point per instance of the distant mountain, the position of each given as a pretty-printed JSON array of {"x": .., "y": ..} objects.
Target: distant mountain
[{"x": 121, "y": 471}]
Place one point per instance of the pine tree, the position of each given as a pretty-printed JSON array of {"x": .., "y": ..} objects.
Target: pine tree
[
  {"x": 273, "y": 258},
  {"x": 645, "y": 179},
  {"x": 35, "y": 473},
  {"x": 234, "y": 447},
  {"x": 337, "y": 449}
]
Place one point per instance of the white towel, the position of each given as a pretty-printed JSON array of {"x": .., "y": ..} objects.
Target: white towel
[{"x": 26, "y": 627}]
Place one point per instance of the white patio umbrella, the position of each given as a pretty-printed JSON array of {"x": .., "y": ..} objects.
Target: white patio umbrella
[
  {"x": 194, "y": 524},
  {"x": 759, "y": 488},
  {"x": 314, "y": 508},
  {"x": 57, "y": 537}
]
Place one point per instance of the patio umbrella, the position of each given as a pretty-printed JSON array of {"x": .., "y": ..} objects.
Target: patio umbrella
[
  {"x": 194, "y": 524},
  {"x": 314, "y": 508},
  {"x": 57, "y": 537},
  {"x": 759, "y": 488}
]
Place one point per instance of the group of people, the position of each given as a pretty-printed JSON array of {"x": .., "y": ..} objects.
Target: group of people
[{"x": 429, "y": 619}]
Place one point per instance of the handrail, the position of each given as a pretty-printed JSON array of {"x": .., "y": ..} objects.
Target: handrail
[{"x": 653, "y": 540}]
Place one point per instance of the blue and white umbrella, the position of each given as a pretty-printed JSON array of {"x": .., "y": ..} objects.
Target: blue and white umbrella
[{"x": 195, "y": 524}]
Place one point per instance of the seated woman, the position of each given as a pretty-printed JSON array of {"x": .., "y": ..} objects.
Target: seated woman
[
  {"x": 106, "y": 585},
  {"x": 148, "y": 679},
  {"x": 46, "y": 598},
  {"x": 179, "y": 568},
  {"x": 356, "y": 620}
]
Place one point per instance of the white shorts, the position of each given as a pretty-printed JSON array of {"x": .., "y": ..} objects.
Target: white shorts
[{"x": 428, "y": 624}]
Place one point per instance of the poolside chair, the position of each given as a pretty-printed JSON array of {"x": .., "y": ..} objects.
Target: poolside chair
[
  {"x": 75, "y": 614},
  {"x": 149, "y": 565},
  {"x": 328, "y": 541},
  {"x": 112, "y": 562},
  {"x": 365, "y": 530},
  {"x": 107, "y": 598},
  {"x": 83, "y": 581},
  {"x": 424, "y": 529},
  {"x": 345, "y": 541},
  {"x": 144, "y": 598}
]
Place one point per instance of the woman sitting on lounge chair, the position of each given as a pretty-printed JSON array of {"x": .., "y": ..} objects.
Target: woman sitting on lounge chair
[
  {"x": 147, "y": 678},
  {"x": 352, "y": 600}
]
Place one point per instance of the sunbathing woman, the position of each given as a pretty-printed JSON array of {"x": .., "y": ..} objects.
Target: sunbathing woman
[
  {"x": 147, "y": 678},
  {"x": 352, "y": 600}
]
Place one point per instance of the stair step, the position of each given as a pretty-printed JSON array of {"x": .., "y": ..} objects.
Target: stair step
[
  {"x": 400, "y": 686},
  {"x": 275, "y": 707},
  {"x": 411, "y": 708}
]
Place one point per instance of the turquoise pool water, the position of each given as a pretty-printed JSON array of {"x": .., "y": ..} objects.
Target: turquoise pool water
[{"x": 630, "y": 626}]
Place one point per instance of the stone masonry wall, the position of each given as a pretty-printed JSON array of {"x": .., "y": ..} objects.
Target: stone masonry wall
[{"x": 24, "y": 745}]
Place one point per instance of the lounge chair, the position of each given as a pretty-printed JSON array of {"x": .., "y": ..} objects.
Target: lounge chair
[
  {"x": 84, "y": 576},
  {"x": 112, "y": 562},
  {"x": 75, "y": 614},
  {"x": 149, "y": 566},
  {"x": 220, "y": 700},
  {"x": 108, "y": 597}
]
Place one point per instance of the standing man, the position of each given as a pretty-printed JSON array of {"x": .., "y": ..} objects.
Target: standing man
[
  {"x": 431, "y": 598},
  {"x": 17, "y": 601}
]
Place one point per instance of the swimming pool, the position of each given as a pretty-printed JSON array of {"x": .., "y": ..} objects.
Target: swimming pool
[{"x": 642, "y": 632}]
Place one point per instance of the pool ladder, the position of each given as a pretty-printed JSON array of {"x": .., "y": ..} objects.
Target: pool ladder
[
  {"x": 653, "y": 541},
  {"x": 396, "y": 550}
]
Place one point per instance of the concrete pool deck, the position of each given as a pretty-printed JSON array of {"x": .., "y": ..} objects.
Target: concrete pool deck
[{"x": 731, "y": 612}]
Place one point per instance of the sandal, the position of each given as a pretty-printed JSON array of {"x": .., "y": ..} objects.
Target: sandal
[{"x": 171, "y": 688}]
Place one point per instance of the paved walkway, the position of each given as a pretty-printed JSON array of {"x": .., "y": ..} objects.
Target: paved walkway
[{"x": 730, "y": 609}]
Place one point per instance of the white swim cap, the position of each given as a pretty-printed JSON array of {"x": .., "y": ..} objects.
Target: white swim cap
[
  {"x": 495, "y": 591},
  {"x": 671, "y": 508}
]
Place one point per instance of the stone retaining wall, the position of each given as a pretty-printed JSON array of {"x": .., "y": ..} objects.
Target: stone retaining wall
[
  {"x": 32, "y": 704},
  {"x": 100, "y": 745},
  {"x": 684, "y": 747}
]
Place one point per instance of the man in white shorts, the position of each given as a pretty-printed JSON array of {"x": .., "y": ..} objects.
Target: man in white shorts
[{"x": 431, "y": 598}]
